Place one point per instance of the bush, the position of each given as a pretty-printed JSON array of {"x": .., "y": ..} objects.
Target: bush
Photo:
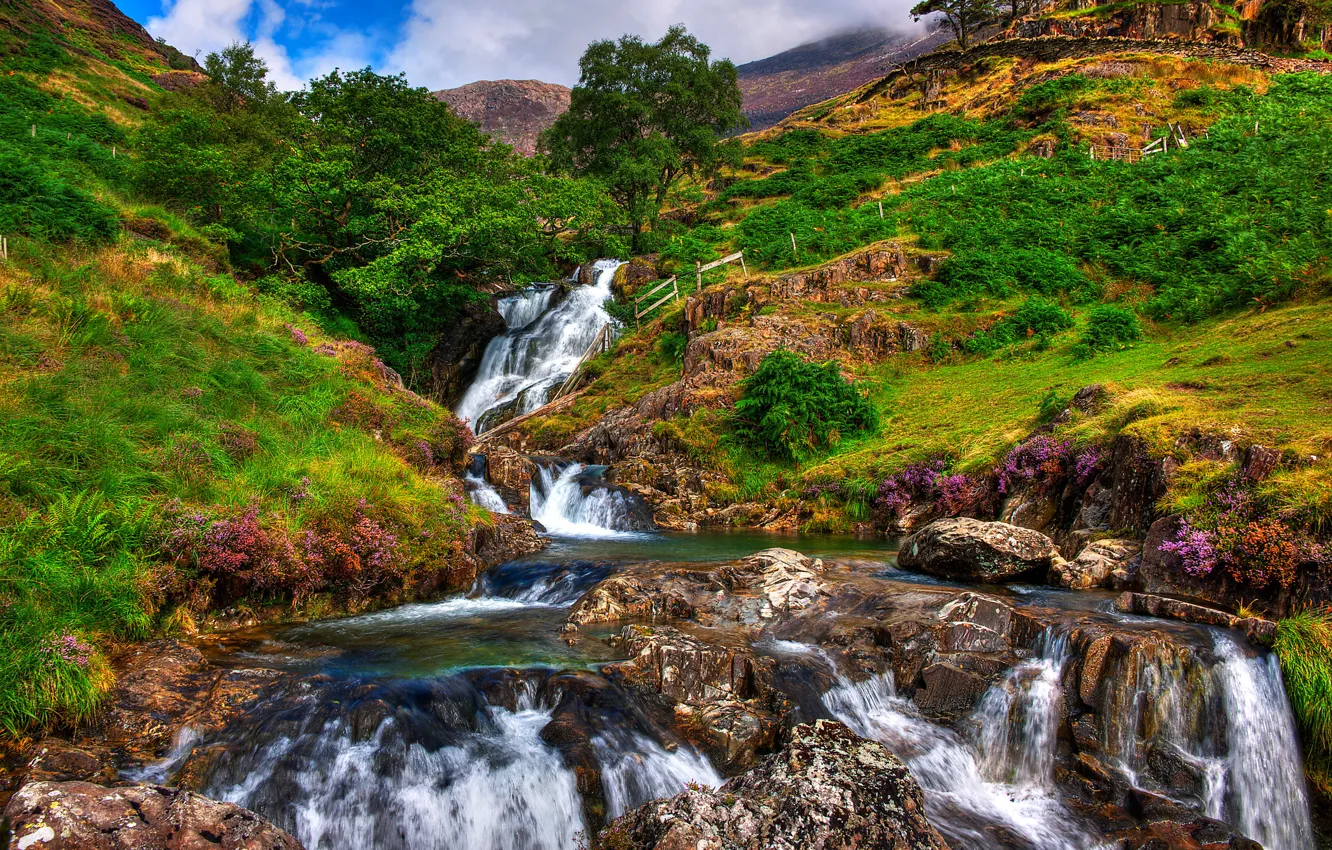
[
  {"x": 1035, "y": 318},
  {"x": 1110, "y": 326},
  {"x": 792, "y": 408},
  {"x": 42, "y": 205}
]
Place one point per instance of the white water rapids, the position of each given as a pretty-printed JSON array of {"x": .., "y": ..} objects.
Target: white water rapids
[{"x": 543, "y": 345}]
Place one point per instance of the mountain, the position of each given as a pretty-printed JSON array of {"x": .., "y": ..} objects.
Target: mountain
[
  {"x": 779, "y": 85},
  {"x": 512, "y": 111}
]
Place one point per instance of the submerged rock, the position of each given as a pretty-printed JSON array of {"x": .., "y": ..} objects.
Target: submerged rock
[
  {"x": 827, "y": 791},
  {"x": 70, "y": 815},
  {"x": 971, "y": 550}
]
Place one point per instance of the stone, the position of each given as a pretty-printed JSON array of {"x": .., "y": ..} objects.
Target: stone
[
  {"x": 1095, "y": 565},
  {"x": 949, "y": 690},
  {"x": 507, "y": 537},
  {"x": 828, "y": 790},
  {"x": 971, "y": 550},
  {"x": 83, "y": 816},
  {"x": 56, "y": 760}
]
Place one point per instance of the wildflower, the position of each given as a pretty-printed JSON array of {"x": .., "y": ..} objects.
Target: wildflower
[{"x": 297, "y": 335}]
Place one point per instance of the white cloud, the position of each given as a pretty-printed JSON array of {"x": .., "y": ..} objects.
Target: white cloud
[
  {"x": 450, "y": 42},
  {"x": 202, "y": 26}
]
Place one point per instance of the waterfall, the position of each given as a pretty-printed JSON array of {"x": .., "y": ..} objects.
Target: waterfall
[
  {"x": 542, "y": 347},
  {"x": 484, "y": 495},
  {"x": 423, "y": 776},
  {"x": 966, "y": 807},
  {"x": 573, "y": 501},
  {"x": 1018, "y": 719},
  {"x": 1264, "y": 790},
  {"x": 636, "y": 769}
]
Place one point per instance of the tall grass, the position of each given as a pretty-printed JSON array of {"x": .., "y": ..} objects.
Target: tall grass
[{"x": 1304, "y": 645}]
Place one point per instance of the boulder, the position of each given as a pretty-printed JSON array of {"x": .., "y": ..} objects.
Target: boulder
[
  {"x": 454, "y": 362},
  {"x": 506, "y": 538},
  {"x": 82, "y": 816},
  {"x": 1096, "y": 565},
  {"x": 971, "y": 550},
  {"x": 829, "y": 790}
]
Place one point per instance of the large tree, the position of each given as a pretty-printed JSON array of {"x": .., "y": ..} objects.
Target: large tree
[
  {"x": 645, "y": 115},
  {"x": 962, "y": 15}
]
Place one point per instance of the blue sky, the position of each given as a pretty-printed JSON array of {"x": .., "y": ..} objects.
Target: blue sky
[{"x": 445, "y": 43}]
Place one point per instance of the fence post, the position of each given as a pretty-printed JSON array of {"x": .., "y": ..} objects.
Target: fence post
[
  {"x": 4, "y": 247},
  {"x": 794, "y": 250},
  {"x": 34, "y": 131},
  {"x": 113, "y": 151},
  {"x": 742, "y": 265},
  {"x": 698, "y": 268},
  {"x": 881, "y": 210}
]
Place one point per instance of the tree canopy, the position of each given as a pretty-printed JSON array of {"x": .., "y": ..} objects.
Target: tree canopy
[
  {"x": 645, "y": 115},
  {"x": 962, "y": 15}
]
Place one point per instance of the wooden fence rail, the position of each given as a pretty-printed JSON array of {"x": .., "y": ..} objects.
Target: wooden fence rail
[
  {"x": 640, "y": 311},
  {"x": 739, "y": 255},
  {"x": 600, "y": 343}
]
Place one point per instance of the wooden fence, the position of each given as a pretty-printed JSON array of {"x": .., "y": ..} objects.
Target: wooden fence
[
  {"x": 738, "y": 255},
  {"x": 640, "y": 311},
  {"x": 1175, "y": 137},
  {"x": 600, "y": 343}
]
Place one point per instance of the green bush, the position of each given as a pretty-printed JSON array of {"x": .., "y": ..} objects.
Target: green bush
[
  {"x": 792, "y": 408},
  {"x": 38, "y": 203},
  {"x": 1110, "y": 326},
  {"x": 1035, "y": 318}
]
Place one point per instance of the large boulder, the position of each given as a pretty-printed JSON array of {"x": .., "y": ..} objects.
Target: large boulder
[
  {"x": 82, "y": 816},
  {"x": 971, "y": 550},
  {"x": 829, "y": 790},
  {"x": 1097, "y": 564}
]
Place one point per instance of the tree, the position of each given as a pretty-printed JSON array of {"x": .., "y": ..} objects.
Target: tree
[
  {"x": 643, "y": 116},
  {"x": 238, "y": 79},
  {"x": 962, "y": 15}
]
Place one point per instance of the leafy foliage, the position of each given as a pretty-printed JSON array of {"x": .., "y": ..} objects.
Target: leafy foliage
[
  {"x": 792, "y": 408},
  {"x": 645, "y": 115},
  {"x": 1109, "y": 326},
  {"x": 1304, "y": 646}
]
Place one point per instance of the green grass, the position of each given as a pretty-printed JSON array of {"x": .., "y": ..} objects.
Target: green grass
[{"x": 1304, "y": 645}]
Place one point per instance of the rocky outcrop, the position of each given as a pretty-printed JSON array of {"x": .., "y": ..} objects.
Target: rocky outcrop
[
  {"x": 829, "y": 790},
  {"x": 1259, "y": 630},
  {"x": 505, "y": 538},
  {"x": 82, "y": 816},
  {"x": 970, "y": 550},
  {"x": 1104, "y": 563},
  {"x": 514, "y": 112},
  {"x": 751, "y": 591},
  {"x": 455, "y": 360}
]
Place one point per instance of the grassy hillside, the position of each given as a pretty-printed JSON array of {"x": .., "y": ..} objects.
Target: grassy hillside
[{"x": 172, "y": 443}]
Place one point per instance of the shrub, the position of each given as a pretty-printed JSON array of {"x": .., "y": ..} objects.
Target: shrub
[
  {"x": 1109, "y": 327},
  {"x": 41, "y": 204},
  {"x": 792, "y": 408}
]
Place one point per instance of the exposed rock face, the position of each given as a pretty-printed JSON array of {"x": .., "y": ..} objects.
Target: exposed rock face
[
  {"x": 828, "y": 790},
  {"x": 508, "y": 537},
  {"x": 750, "y": 591},
  {"x": 82, "y": 816},
  {"x": 971, "y": 550},
  {"x": 1097, "y": 564},
  {"x": 454, "y": 362},
  {"x": 514, "y": 112}
]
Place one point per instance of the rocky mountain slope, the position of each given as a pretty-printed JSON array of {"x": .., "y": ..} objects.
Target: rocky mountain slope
[
  {"x": 779, "y": 85},
  {"x": 513, "y": 111}
]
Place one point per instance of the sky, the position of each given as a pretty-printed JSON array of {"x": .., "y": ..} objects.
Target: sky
[{"x": 446, "y": 43}]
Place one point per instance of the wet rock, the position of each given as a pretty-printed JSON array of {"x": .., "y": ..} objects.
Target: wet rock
[
  {"x": 949, "y": 690},
  {"x": 1150, "y": 605},
  {"x": 731, "y": 732},
  {"x": 510, "y": 473},
  {"x": 829, "y": 790},
  {"x": 1095, "y": 565},
  {"x": 55, "y": 760},
  {"x": 70, "y": 815},
  {"x": 628, "y": 598},
  {"x": 505, "y": 538},
  {"x": 453, "y": 363},
  {"x": 971, "y": 550},
  {"x": 689, "y": 670}
]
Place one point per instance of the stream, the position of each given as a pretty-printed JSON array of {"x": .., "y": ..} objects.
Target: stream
[{"x": 456, "y": 725}]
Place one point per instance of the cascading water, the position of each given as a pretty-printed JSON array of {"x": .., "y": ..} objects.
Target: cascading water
[
  {"x": 1018, "y": 719},
  {"x": 1228, "y": 722},
  {"x": 542, "y": 347},
  {"x": 484, "y": 495},
  {"x": 636, "y": 769},
  {"x": 572, "y": 501},
  {"x": 1264, "y": 790},
  {"x": 438, "y": 771},
  {"x": 967, "y": 807}
]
